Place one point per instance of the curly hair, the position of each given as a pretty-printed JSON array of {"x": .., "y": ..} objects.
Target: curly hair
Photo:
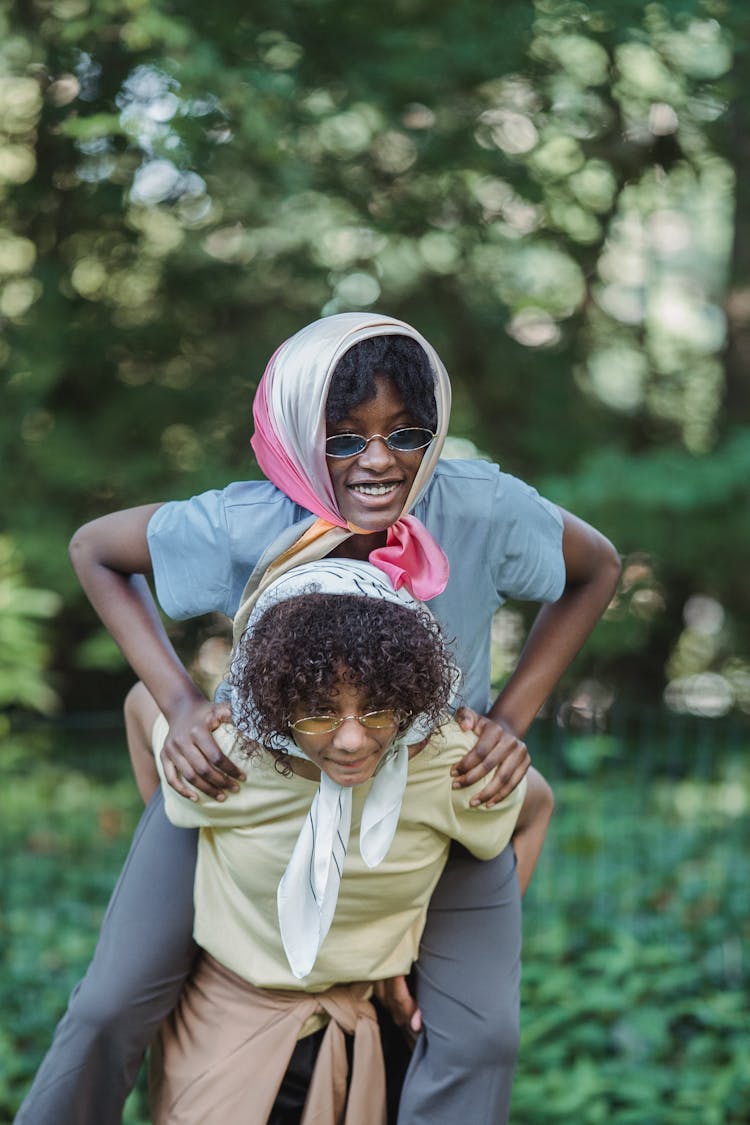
[
  {"x": 301, "y": 649},
  {"x": 400, "y": 358}
]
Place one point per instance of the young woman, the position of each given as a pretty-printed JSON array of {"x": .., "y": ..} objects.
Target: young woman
[
  {"x": 351, "y": 415},
  {"x": 334, "y": 680}
]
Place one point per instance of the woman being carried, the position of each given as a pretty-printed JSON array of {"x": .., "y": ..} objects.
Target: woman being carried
[{"x": 338, "y": 681}]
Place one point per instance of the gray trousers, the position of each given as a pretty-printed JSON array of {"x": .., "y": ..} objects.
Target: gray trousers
[{"x": 468, "y": 977}]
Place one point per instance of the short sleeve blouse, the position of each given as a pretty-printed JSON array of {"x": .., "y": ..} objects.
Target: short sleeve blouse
[{"x": 503, "y": 540}]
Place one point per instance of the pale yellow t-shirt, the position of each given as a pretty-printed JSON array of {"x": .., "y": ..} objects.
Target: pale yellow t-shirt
[{"x": 246, "y": 841}]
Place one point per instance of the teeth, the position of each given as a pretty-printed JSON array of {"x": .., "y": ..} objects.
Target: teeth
[{"x": 373, "y": 489}]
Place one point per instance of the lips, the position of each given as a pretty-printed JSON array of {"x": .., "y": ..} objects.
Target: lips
[{"x": 374, "y": 489}]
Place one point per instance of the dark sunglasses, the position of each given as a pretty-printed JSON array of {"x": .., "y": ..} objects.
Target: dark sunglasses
[{"x": 408, "y": 440}]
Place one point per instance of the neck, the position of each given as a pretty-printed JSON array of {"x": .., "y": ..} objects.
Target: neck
[{"x": 359, "y": 546}]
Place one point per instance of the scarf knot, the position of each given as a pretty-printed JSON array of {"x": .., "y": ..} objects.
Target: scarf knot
[{"x": 413, "y": 559}]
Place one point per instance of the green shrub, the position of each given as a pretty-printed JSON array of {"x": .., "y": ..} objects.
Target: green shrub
[{"x": 636, "y": 926}]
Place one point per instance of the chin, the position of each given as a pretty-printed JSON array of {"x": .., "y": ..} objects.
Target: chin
[
  {"x": 349, "y": 780},
  {"x": 372, "y": 521}
]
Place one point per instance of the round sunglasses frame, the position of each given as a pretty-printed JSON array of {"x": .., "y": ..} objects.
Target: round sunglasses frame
[
  {"x": 387, "y": 438},
  {"x": 395, "y": 720}
]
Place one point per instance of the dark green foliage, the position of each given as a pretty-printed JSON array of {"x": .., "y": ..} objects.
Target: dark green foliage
[
  {"x": 556, "y": 194},
  {"x": 636, "y": 926},
  {"x": 636, "y": 931},
  {"x": 67, "y": 813},
  {"x": 546, "y": 190}
]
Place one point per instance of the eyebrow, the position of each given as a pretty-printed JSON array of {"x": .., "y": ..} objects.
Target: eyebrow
[{"x": 397, "y": 421}]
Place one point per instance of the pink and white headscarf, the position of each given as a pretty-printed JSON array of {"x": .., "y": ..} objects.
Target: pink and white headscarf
[{"x": 289, "y": 444}]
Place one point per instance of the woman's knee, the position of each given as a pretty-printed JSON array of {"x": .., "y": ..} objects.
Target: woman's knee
[
  {"x": 140, "y": 708},
  {"x": 105, "y": 1011},
  {"x": 498, "y": 1038},
  {"x": 488, "y": 1039},
  {"x": 141, "y": 712}
]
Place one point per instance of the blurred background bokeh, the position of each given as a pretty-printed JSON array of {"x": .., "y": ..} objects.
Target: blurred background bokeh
[{"x": 556, "y": 194}]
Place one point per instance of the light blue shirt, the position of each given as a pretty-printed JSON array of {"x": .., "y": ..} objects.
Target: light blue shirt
[{"x": 502, "y": 540}]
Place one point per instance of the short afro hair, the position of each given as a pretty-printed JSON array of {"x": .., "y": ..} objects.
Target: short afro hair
[
  {"x": 297, "y": 653},
  {"x": 401, "y": 359}
]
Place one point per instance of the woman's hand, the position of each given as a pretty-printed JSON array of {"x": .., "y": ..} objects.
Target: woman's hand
[
  {"x": 497, "y": 747},
  {"x": 395, "y": 997},
  {"x": 190, "y": 756}
]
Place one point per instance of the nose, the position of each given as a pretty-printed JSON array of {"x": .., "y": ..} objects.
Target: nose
[
  {"x": 376, "y": 455},
  {"x": 351, "y": 736}
]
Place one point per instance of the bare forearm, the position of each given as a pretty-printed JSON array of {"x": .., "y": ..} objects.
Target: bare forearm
[
  {"x": 561, "y": 629},
  {"x": 113, "y": 579},
  {"x": 133, "y": 620},
  {"x": 557, "y": 635},
  {"x": 592, "y": 567},
  {"x": 111, "y": 558}
]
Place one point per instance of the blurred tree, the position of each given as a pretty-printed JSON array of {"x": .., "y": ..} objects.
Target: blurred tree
[
  {"x": 24, "y": 653},
  {"x": 546, "y": 191}
]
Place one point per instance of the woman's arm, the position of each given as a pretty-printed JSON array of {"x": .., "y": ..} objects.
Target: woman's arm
[
  {"x": 531, "y": 826},
  {"x": 592, "y": 569},
  {"x": 110, "y": 556}
]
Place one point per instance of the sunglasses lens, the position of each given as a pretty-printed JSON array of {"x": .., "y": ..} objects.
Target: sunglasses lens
[
  {"x": 403, "y": 441},
  {"x": 407, "y": 440},
  {"x": 324, "y": 724},
  {"x": 344, "y": 445},
  {"x": 377, "y": 720},
  {"x": 315, "y": 724}
]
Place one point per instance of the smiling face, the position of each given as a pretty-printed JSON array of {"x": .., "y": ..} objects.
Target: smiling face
[
  {"x": 371, "y": 488},
  {"x": 351, "y": 753}
]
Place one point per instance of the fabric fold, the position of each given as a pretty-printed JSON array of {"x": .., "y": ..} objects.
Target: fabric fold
[
  {"x": 236, "y": 1029},
  {"x": 412, "y": 559}
]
